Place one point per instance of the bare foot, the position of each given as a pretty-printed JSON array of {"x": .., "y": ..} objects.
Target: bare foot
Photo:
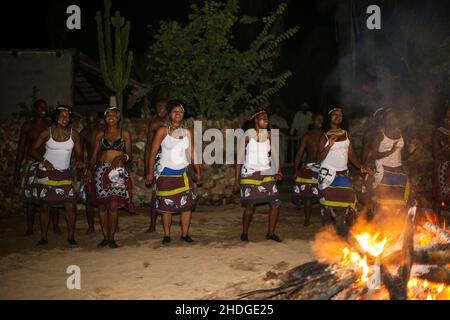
[
  {"x": 57, "y": 230},
  {"x": 28, "y": 233},
  {"x": 90, "y": 231},
  {"x": 150, "y": 230}
]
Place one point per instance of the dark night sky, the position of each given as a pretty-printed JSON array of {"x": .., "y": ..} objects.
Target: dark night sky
[
  {"x": 46, "y": 19},
  {"x": 312, "y": 55},
  {"x": 33, "y": 24}
]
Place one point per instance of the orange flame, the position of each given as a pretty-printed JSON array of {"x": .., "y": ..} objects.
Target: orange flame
[
  {"x": 419, "y": 289},
  {"x": 370, "y": 244}
]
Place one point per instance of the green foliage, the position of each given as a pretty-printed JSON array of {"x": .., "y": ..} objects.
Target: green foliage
[
  {"x": 199, "y": 65},
  {"x": 115, "y": 63}
]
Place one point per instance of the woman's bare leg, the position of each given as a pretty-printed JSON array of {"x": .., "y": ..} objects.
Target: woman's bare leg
[
  {"x": 71, "y": 220},
  {"x": 167, "y": 223},
  {"x": 185, "y": 223},
  {"x": 274, "y": 213},
  {"x": 247, "y": 218},
  {"x": 113, "y": 219},
  {"x": 44, "y": 221},
  {"x": 103, "y": 219}
]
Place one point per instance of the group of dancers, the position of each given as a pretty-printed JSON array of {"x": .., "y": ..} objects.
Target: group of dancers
[{"x": 172, "y": 173}]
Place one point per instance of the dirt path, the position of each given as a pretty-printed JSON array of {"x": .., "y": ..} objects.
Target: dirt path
[{"x": 218, "y": 265}]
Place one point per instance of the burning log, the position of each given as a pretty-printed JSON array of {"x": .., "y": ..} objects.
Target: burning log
[
  {"x": 310, "y": 281},
  {"x": 294, "y": 278},
  {"x": 437, "y": 274},
  {"x": 397, "y": 286},
  {"x": 443, "y": 235},
  {"x": 434, "y": 247},
  {"x": 303, "y": 271},
  {"x": 351, "y": 293},
  {"x": 326, "y": 290},
  {"x": 439, "y": 257}
]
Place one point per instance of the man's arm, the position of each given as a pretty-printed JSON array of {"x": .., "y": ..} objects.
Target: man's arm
[
  {"x": 93, "y": 160},
  {"x": 300, "y": 152},
  {"x": 78, "y": 149},
  {"x": 20, "y": 153},
  {"x": 82, "y": 138},
  {"x": 43, "y": 137},
  {"x": 151, "y": 130}
]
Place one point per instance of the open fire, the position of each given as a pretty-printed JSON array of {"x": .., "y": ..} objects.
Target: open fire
[
  {"x": 367, "y": 258},
  {"x": 395, "y": 256}
]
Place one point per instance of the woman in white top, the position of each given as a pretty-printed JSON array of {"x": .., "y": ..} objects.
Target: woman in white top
[
  {"x": 175, "y": 188},
  {"x": 53, "y": 180},
  {"x": 391, "y": 184},
  {"x": 337, "y": 197},
  {"x": 255, "y": 178}
]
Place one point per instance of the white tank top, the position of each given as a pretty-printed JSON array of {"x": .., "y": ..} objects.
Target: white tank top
[
  {"x": 257, "y": 155},
  {"x": 394, "y": 160},
  {"x": 337, "y": 157},
  {"x": 173, "y": 152},
  {"x": 59, "y": 153}
]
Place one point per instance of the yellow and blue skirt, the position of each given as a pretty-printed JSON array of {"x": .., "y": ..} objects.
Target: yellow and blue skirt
[
  {"x": 175, "y": 191},
  {"x": 393, "y": 190},
  {"x": 306, "y": 186},
  {"x": 339, "y": 199},
  {"x": 257, "y": 188}
]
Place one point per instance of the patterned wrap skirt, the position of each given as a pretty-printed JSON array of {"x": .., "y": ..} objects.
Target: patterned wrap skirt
[
  {"x": 156, "y": 174},
  {"x": 338, "y": 201},
  {"x": 393, "y": 189},
  {"x": 441, "y": 180},
  {"x": 28, "y": 175},
  {"x": 49, "y": 187},
  {"x": 306, "y": 186},
  {"x": 112, "y": 184},
  {"x": 175, "y": 191},
  {"x": 257, "y": 188}
]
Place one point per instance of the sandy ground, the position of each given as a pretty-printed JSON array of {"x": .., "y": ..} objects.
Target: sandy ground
[{"x": 217, "y": 266}]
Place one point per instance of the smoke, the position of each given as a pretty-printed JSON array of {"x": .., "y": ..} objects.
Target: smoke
[{"x": 397, "y": 66}]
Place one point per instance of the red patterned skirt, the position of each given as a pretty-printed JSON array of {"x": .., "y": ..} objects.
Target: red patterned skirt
[
  {"x": 112, "y": 184},
  {"x": 441, "y": 180}
]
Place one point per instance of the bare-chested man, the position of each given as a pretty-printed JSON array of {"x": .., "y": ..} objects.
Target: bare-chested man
[
  {"x": 162, "y": 118},
  {"x": 306, "y": 188},
  {"x": 87, "y": 138},
  {"x": 29, "y": 132}
]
